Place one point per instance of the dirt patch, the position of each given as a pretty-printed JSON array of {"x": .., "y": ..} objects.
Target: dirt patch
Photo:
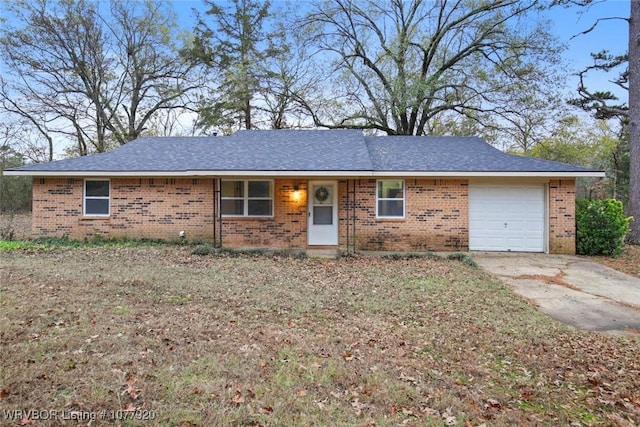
[
  {"x": 228, "y": 340},
  {"x": 627, "y": 262},
  {"x": 558, "y": 279}
]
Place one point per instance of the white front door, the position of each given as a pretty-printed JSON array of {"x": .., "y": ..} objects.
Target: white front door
[{"x": 323, "y": 213}]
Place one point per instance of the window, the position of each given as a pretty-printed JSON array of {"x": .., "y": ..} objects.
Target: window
[
  {"x": 96, "y": 197},
  {"x": 247, "y": 198},
  {"x": 390, "y": 199}
]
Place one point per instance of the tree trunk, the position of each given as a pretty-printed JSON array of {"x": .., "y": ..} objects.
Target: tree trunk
[
  {"x": 634, "y": 121},
  {"x": 247, "y": 113}
]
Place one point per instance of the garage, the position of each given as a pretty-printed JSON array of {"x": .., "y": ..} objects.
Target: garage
[{"x": 505, "y": 217}]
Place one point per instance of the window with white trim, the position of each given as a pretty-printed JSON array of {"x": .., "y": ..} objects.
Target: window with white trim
[
  {"x": 390, "y": 199},
  {"x": 96, "y": 197},
  {"x": 247, "y": 198}
]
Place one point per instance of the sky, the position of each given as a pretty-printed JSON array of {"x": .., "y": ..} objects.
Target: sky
[
  {"x": 565, "y": 23},
  {"x": 612, "y": 35}
]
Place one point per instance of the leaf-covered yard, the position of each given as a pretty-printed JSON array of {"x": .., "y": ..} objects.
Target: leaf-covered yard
[
  {"x": 222, "y": 340},
  {"x": 627, "y": 262}
]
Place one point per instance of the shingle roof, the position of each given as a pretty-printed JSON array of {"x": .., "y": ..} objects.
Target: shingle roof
[
  {"x": 291, "y": 150},
  {"x": 452, "y": 154},
  {"x": 305, "y": 151}
]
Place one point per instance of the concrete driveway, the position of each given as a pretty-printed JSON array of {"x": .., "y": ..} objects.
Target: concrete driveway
[{"x": 573, "y": 290}]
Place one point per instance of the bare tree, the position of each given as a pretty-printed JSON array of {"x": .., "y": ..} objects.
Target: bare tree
[
  {"x": 92, "y": 74},
  {"x": 403, "y": 64},
  {"x": 28, "y": 112},
  {"x": 15, "y": 191},
  {"x": 290, "y": 80}
]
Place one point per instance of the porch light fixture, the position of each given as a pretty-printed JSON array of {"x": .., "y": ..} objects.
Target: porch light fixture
[{"x": 296, "y": 193}]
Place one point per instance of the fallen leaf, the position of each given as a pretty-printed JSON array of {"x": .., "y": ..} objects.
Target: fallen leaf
[
  {"x": 492, "y": 403},
  {"x": 408, "y": 378},
  {"x": 237, "y": 399},
  {"x": 301, "y": 393},
  {"x": 429, "y": 411},
  {"x": 267, "y": 410},
  {"x": 3, "y": 393},
  {"x": 130, "y": 408},
  {"x": 336, "y": 394},
  {"x": 27, "y": 422},
  {"x": 358, "y": 406},
  {"x": 407, "y": 411},
  {"x": 449, "y": 420},
  {"x": 131, "y": 390}
]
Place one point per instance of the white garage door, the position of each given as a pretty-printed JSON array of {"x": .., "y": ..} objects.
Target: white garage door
[{"x": 506, "y": 218}]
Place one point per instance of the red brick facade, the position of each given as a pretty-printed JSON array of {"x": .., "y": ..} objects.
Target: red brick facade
[
  {"x": 437, "y": 215},
  {"x": 157, "y": 208},
  {"x": 562, "y": 216},
  {"x": 287, "y": 228}
]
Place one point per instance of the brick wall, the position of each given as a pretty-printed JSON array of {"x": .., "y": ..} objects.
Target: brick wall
[
  {"x": 562, "y": 219},
  {"x": 437, "y": 217},
  {"x": 157, "y": 208},
  {"x": 437, "y": 214},
  {"x": 287, "y": 228}
]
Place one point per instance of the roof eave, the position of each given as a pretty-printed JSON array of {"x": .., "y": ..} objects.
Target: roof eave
[
  {"x": 479, "y": 174},
  {"x": 309, "y": 173}
]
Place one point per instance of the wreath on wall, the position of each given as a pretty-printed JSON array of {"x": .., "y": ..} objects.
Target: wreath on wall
[{"x": 322, "y": 194}]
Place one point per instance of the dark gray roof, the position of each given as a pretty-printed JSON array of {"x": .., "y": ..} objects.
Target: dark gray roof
[
  {"x": 302, "y": 150},
  {"x": 452, "y": 154},
  {"x": 291, "y": 150}
]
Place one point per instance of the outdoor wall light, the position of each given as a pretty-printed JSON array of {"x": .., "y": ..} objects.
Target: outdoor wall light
[{"x": 296, "y": 193}]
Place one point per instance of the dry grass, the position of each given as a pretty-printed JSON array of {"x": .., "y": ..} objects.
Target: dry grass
[
  {"x": 274, "y": 341},
  {"x": 627, "y": 262},
  {"x": 17, "y": 226}
]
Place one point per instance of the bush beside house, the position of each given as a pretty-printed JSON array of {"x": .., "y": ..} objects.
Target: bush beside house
[{"x": 600, "y": 227}]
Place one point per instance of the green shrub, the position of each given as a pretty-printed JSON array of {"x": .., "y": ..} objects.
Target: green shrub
[
  {"x": 463, "y": 257},
  {"x": 600, "y": 227}
]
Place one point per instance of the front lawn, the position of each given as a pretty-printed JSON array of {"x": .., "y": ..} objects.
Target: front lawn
[{"x": 252, "y": 340}]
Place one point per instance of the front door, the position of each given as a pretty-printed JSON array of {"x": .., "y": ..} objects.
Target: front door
[{"x": 323, "y": 213}]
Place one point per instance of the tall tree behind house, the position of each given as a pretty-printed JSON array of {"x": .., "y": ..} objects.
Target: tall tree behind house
[{"x": 90, "y": 72}]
